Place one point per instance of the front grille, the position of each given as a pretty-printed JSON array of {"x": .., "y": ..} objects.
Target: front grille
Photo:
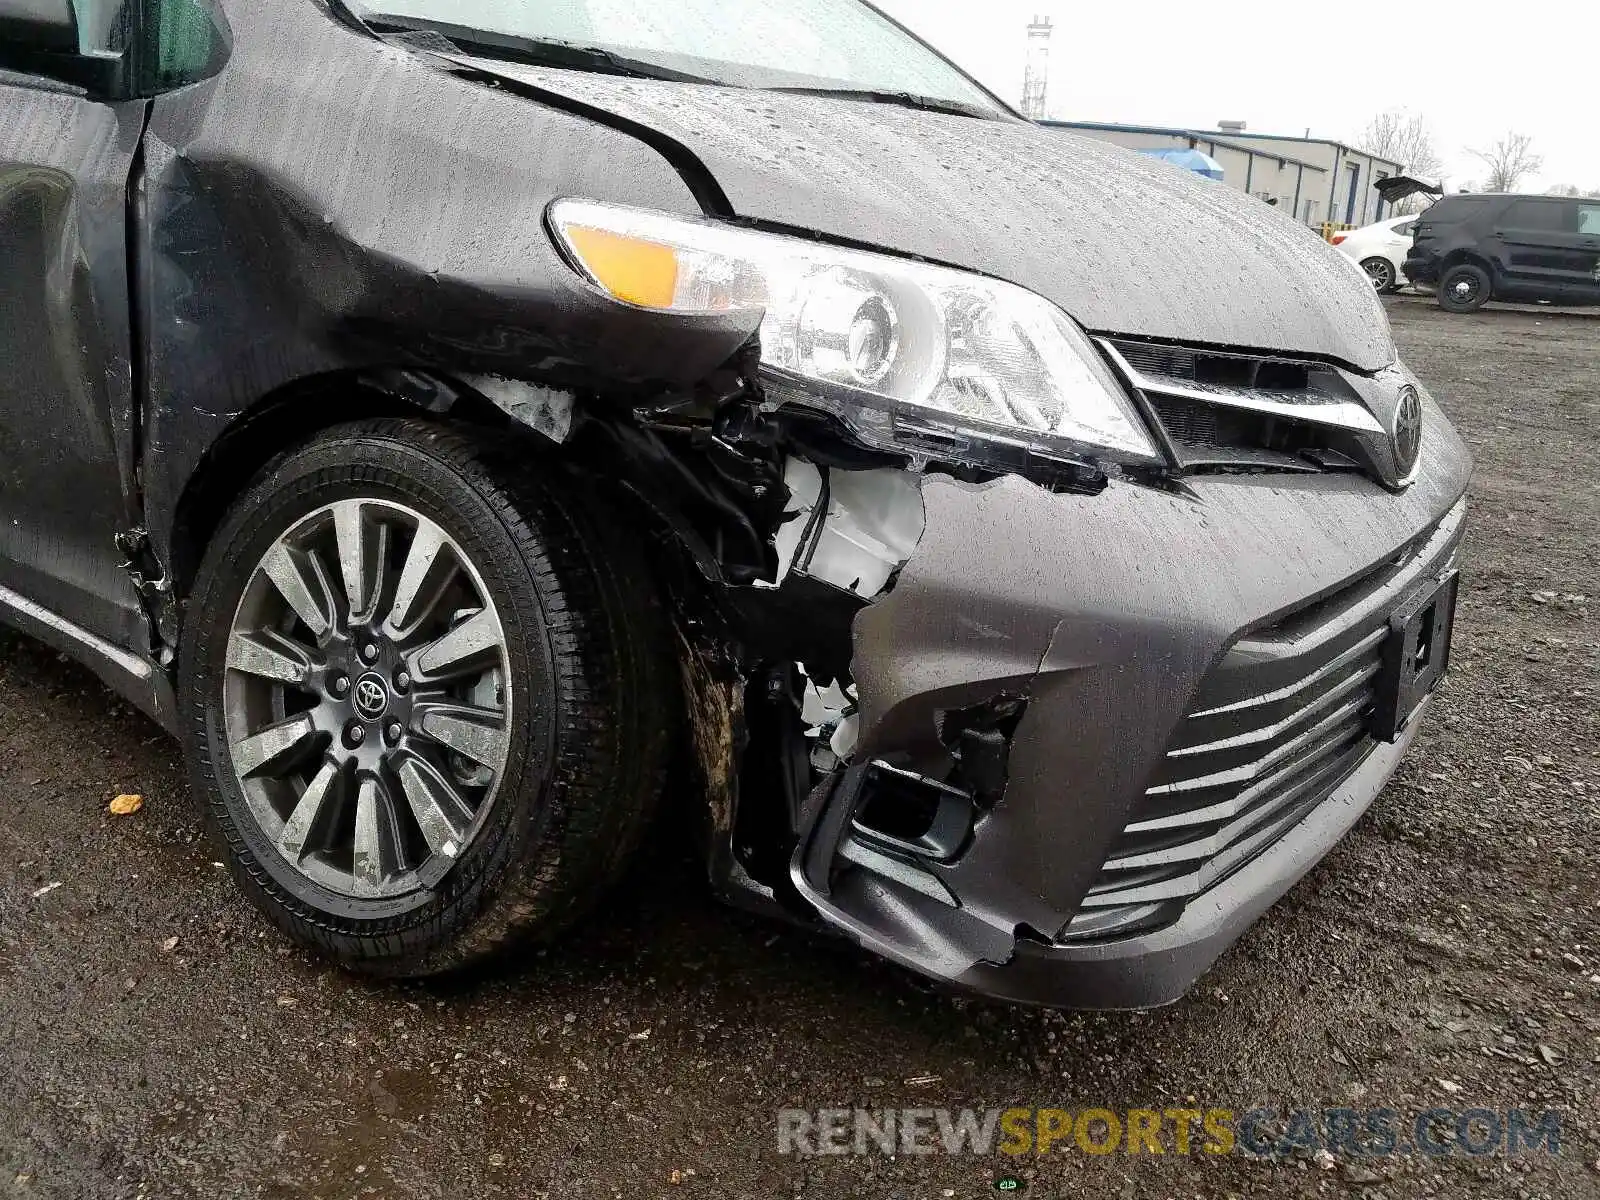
[
  {"x": 1241, "y": 771},
  {"x": 1222, "y": 410},
  {"x": 1275, "y": 728}
]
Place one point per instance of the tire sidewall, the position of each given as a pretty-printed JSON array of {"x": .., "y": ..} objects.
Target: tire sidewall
[{"x": 379, "y": 468}]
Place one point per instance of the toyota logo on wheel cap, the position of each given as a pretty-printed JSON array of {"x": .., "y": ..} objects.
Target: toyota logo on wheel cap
[
  {"x": 372, "y": 697},
  {"x": 1407, "y": 434}
]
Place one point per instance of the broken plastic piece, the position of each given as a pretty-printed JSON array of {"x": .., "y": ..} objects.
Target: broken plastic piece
[
  {"x": 823, "y": 707},
  {"x": 544, "y": 410},
  {"x": 845, "y": 736},
  {"x": 870, "y": 522},
  {"x": 829, "y": 715},
  {"x": 979, "y": 737}
]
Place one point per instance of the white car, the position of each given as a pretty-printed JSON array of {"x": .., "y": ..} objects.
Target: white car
[{"x": 1381, "y": 250}]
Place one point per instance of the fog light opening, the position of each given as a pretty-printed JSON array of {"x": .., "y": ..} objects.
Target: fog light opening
[{"x": 911, "y": 813}]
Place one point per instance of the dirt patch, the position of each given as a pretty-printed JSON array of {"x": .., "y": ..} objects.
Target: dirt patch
[{"x": 1447, "y": 954}]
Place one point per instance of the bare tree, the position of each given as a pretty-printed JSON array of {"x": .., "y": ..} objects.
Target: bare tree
[
  {"x": 1405, "y": 139},
  {"x": 1509, "y": 160},
  {"x": 1568, "y": 189}
]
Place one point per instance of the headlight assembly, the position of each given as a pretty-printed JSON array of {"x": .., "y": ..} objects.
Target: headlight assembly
[{"x": 883, "y": 342}]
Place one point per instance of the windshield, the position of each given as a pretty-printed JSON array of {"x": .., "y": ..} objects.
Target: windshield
[{"x": 825, "y": 45}]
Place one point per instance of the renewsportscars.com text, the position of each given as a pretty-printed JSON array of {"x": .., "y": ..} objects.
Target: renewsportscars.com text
[{"x": 1019, "y": 1131}]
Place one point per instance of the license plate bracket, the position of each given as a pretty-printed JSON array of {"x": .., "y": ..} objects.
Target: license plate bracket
[{"x": 1416, "y": 655}]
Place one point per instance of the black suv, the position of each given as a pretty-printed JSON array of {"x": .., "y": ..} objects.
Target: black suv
[{"x": 1474, "y": 249}]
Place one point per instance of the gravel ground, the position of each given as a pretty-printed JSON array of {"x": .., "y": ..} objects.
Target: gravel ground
[{"x": 1448, "y": 953}]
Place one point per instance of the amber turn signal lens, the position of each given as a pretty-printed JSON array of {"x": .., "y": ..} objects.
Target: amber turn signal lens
[{"x": 633, "y": 270}]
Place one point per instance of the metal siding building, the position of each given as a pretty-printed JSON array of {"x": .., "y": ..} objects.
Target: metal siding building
[{"x": 1318, "y": 181}]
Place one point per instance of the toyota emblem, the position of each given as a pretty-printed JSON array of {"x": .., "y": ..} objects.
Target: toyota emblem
[
  {"x": 1407, "y": 431},
  {"x": 372, "y": 697}
]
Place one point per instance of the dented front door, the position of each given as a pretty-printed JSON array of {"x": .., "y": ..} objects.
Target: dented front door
[{"x": 66, "y": 378}]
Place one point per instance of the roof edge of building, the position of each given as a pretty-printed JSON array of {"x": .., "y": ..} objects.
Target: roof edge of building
[{"x": 1220, "y": 137}]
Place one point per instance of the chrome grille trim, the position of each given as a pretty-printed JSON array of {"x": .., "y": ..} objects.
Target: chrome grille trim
[
  {"x": 1192, "y": 882},
  {"x": 1333, "y": 404},
  {"x": 1311, "y": 766},
  {"x": 1238, "y": 774}
]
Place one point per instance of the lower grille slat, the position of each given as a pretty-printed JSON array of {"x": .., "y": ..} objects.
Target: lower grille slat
[
  {"x": 1246, "y": 772},
  {"x": 1359, "y": 680},
  {"x": 1225, "y": 810},
  {"x": 1366, "y": 646},
  {"x": 1326, "y": 766}
]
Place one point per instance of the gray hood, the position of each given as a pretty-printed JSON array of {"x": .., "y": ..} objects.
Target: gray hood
[{"x": 1125, "y": 244}]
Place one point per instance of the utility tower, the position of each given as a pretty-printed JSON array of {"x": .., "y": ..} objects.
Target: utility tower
[{"x": 1037, "y": 80}]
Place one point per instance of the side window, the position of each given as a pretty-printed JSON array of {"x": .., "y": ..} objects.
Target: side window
[
  {"x": 105, "y": 26},
  {"x": 1405, "y": 230},
  {"x": 1537, "y": 216},
  {"x": 1589, "y": 219},
  {"x": 1451, "y": 209}
]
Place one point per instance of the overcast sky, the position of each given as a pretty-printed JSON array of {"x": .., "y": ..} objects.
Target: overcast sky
[{"x": 1473, "y": 71}]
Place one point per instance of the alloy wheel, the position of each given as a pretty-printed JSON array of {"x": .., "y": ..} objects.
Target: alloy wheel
[
  {"x": 1380, "y": 272},
  {"x": 367, "y": 698}
]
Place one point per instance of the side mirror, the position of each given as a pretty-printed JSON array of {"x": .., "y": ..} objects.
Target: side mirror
[
  {"x": 47, "y": 24},
  {"x": 81, "y": 43},
  {"x": 115, "y": 49}
]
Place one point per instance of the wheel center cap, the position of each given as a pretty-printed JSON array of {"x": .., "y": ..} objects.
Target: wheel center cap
[{"x": 371, "y": 696}]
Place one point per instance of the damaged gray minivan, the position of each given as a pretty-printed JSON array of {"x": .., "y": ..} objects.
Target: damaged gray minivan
[{"x": 455, "y": 418}]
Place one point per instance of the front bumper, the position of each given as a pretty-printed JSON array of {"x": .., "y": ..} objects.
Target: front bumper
[
  {"x": 1158, "y": 968},
  {"x": 1115, "y": 616},
  {"x": 1422, "y": 272}
]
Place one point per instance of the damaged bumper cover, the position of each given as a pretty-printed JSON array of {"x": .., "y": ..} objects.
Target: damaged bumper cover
[
  {"x": 1159, "y": 967},
  {"x": 1189, "y": 677}
]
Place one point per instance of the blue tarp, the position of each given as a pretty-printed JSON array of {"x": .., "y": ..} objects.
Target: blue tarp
[{"x": 1190, "y": 160}]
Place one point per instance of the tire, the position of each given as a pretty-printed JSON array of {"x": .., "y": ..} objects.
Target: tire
[
  {"x": 581, "y": 716},
  {"x": 1464, "y": 288},
  {"x": 1381, "y": 271}
]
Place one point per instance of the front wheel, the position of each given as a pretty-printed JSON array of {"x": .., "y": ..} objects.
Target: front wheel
[
  {"x": 428, "y": 698},
  {"x": 1464, "y": 288}
]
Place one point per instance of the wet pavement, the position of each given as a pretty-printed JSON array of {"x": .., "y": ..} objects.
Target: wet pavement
[{"x": 1448, "y": 953}]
